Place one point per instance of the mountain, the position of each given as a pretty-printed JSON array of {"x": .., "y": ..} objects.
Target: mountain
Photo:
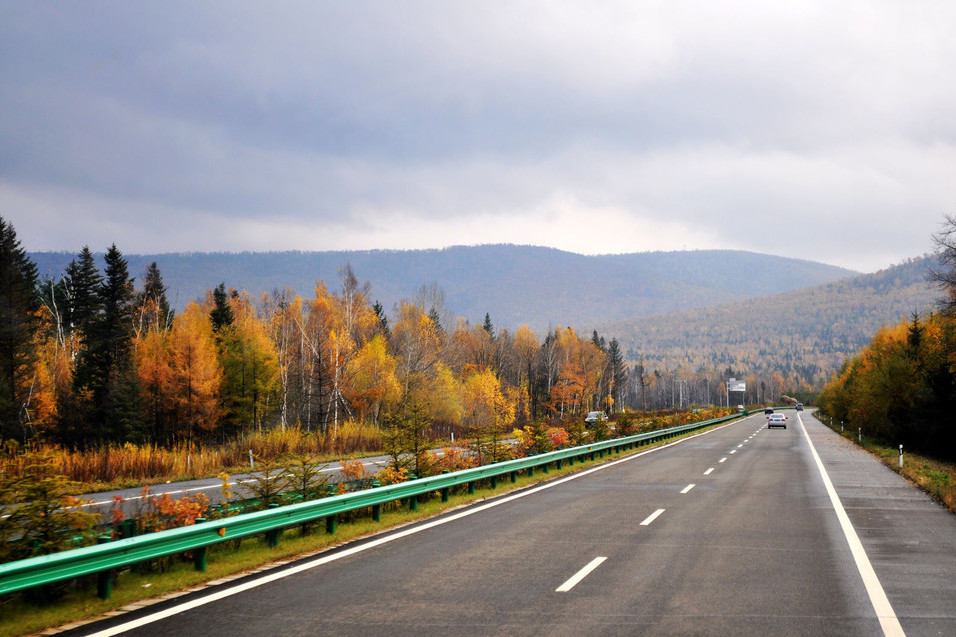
[
  {"x": 516, "y": 285},
  {"x": 806, "y": 332}
]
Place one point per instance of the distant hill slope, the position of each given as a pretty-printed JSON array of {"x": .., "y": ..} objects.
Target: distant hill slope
[
  {"x": 810, "y": 332},
  {"x": 515, "y": 284}
]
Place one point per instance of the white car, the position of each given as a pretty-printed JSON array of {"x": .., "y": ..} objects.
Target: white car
[{"x": 776, "y": 419}]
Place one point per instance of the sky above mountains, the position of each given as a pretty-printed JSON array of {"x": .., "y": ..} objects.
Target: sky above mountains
[{"x": 815, "y": 130}]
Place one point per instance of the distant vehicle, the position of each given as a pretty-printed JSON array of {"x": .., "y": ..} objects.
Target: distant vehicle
[
  {"x": 595, "y": 417},
  {"x": 776, "y": 420},
  {"x": 799, "y": 406},
  {"x": 740, "y": 408},
  {"x": 768, "y": 411}
]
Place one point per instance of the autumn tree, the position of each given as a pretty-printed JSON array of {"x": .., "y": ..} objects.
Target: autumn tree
[
  {"x": 526, "y": 349},
  {"x": 489, "y": 413},
  {"x": 283, "y": 311},
  {"x": 250, "y": 367},
  {"x": 373, "y": 382},
  {"x": 196, "y": 375}
]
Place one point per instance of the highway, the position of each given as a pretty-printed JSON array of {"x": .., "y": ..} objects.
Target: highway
[{"x": 733, "y": 531}]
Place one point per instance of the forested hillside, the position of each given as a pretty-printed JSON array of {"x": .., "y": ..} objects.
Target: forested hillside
[
  {"x": 804, "y": 335},
  {"x": 517, "y": 285}
]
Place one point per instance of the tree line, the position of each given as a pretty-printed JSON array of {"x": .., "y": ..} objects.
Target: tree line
[
  {"x": 901, "y": 387},
  {"x": 89, "y": 357}
]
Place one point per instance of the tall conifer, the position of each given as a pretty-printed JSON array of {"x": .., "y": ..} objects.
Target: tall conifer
[{"x": 19, "y": 302}]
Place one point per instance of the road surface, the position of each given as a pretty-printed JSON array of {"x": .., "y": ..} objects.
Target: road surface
[{"x": 732, "y": 531}]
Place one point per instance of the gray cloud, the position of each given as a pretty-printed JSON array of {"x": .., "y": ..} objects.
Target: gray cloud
[{"x": 231, "y": 126}]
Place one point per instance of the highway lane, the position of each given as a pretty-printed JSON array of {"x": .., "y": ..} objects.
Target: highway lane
[{"x": 730, "y": 532}]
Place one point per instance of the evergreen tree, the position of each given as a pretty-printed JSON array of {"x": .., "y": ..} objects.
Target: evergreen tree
[
  {"x": 83, "y": 281},
  {"x": 221, "y": 314},
  {"x": 107, "y": 360},
  {"x": 152, "y": 306},
  {"x": 19, "y": 303},
  {"x": 488, "y": 325},
  {"x": 382, "y": 320}
]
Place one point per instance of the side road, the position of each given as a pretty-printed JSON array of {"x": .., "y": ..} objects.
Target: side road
[
  {"x": 909, "y": 538},
  {"x": 102, "y": 502}
]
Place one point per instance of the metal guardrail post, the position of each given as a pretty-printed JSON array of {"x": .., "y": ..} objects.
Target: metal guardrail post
[
  {"x": 104, "y": 579},
  {"x": 330, "y": 523}
]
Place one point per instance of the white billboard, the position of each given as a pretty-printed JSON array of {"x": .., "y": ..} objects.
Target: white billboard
[{"x": 736, "y": 385}]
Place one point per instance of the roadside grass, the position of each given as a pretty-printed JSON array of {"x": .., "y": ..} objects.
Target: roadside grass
[
  {"x": 228, "y": 560},
  {"x": 935, "y": 477}
]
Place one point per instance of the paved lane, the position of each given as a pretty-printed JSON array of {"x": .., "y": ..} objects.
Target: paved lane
[{"x": 754, "y": 547}]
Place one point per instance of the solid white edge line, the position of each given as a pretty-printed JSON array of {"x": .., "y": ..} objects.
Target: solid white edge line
[
  {"x": 325, "y": 559},
  {"x": 580, "y": 575},
  {"x": 881, "y": 604},
  {"x": 653, "y": 516},
  {"x": 688, "y": 488}
]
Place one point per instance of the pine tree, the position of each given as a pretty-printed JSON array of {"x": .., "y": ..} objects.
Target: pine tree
[
  {"x": 221, "y": 315},
  {"x": 382, "y": 320},
  {"x": 488, "y": 325},
  {"x": 108, "y": 355},
  {"x": 19, "y": 303},
  {"x": 83, "y": 280},
  {"x": 151, "y": 304}
]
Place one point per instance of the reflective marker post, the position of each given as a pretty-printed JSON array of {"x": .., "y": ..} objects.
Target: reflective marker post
[{"x": 901, "y": 456}]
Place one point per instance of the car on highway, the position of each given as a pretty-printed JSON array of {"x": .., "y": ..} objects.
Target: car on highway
[
  {"x": 799, "y": 406},
  {"x": 595, "y": 417},
  {"x": 776, "y": 420},
  {"x": 768, "y": 411}
]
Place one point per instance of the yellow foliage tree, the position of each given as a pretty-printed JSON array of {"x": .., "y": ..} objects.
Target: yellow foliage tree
[
  {"x": 374, "y": 384},
  {"x": 196, "y": 374},
  {"x": 489, "y": 412}
]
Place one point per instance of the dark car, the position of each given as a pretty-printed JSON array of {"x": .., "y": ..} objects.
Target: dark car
[
  {"x": 768, "y": 410},
  {"x": 799, "y": 406}
]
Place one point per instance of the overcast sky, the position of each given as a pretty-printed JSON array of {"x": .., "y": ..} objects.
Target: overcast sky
[{"x": 818, "y": 130}]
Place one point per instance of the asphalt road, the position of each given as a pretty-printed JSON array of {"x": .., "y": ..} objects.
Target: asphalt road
[{"x": 728, "y": 532}]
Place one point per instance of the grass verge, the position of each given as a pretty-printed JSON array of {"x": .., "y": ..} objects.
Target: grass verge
[
  {"x": 935, "y": 477},
  {"x": 231, "y": 559}
]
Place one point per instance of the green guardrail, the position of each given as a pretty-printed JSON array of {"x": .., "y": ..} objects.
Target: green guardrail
[{"x": 104, "y": 558}]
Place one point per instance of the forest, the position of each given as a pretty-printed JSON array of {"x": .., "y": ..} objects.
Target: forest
[
  {"x": 901, "y": 387},
  {"x": 88, "y": 358}
]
